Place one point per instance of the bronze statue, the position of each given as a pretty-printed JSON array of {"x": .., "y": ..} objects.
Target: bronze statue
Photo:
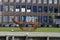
[{"x": 34, "y": 24}]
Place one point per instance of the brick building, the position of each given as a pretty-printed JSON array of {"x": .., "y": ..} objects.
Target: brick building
[{"x": 30, "y": 10}]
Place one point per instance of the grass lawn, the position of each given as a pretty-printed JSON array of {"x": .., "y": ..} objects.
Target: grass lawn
[{"x": 16, "y": 29}]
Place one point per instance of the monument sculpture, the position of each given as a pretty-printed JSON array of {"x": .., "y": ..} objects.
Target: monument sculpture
[{"x": 34, "y": 25}]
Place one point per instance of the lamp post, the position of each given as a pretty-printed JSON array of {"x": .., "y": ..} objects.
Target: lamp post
[{"x": 26, "y": 36}]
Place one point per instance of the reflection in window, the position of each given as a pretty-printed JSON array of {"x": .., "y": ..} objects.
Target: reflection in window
[
  {"x": 10, "y": 18},
  {"x": 0, "y": 0},
  {"x": 56, "y": 10},
  {"x": 23, "y": 18},
  {"x": 45, "y": 18},
  {"x": 11, "y": 8},
  {"x": 50, "y": 9},
  {"x": 1, "y": 7},
  {"x": 11, "y": 0},
  {"x": 5, "y": 8},
  {"x": 34, "y": 1},
  {"x": 17, "y": 1},
  {"x": 16, "y": 18},
  {"x": 50, "y": 1},
  {"x": 22, "y": 1},
  {"x": 55, "y": 1},
  {"x": 5, "y": 0},
  {"x": 45, "y": 1},
  {"x": 28, "y": 18},
  {"x": 28, "y": 8},
  {"x": 23, "y": 9},
  {"x": 39, "y": 1},
  {"x": 40, "y": 19},
  {"x": 39, "y": 8},
  {"x": 17, "y": 8},
  {"x": 45, "y": 8},
  {"x": 0, "y": 19},
  {"x": 5, "y": 19},
  {"x": 28, "y": 1},
  {"x": 34, "y": 8}
]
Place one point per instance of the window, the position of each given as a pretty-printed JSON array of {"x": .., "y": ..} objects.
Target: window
[
  {"x": 39, "y": 8},
  {"x": 0, "y": 0},
  {"x": 17, "y": 1},
  {"x": 5, "y": 19},
  {"x": 28, "y": 1},
  {"x": 10, "y": 18},
  {"x": 45, "y": 8},
  {"x": 34, "y": 8},
  {"x": 45, "y": 2},
  {"x": 17, "y": 8},
  {"x": 34, "y": 1},
  {"x": 28, "y": 18},
  {"x": 56, "y": 10},
  {"x": 55, "y": 1},
  {"x": 11, "y": 8},
  {"x": 28, "y": 8},
  {"x": 1, "y": 7},
  {"x": 5, "y": 0},
  {"x": 16, "y": 18},
  {"x": 5, "y": 8},
  {"x": 45, "y": 18},
  {"x": 0, "y": 19},
  {"x": 50, "y": 1},
  {"x": 39, "y": 1},
  {"x": 40, "y": 19},
  {"x": 11, "y": 0},
  {"x": 22, "y": 1},
  {"x": 50, "y": 9},
  {"x": 23, "y": 8},
  {"x": 23, "y": 18}
]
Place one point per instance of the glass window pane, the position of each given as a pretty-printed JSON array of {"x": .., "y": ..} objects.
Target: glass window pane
[
  {"x": 28, "y": 1},
  {"x": 56, "y": 10},
  {"x": 50, "y": 9},
  {"x": 11, "y": 8},
  {"x": 17, "y": 1},
  {"x": 39, "y": 8},
  {"x": 50, "y": 1},
  {"x": 16, "y": 18},
  {"x": 17, "y": 8},
  {"x": 0, "y": 0},
  {"x": 34, "y": 1},
  {"x": 45, "y": 18},
  {"x": 45, "y": 1},
  {"x": 11, "y": 0},
  {"x": 23, "y": 18},
  {"x": 28, "y": 18},
  {"x": 1, "y": 8},
  {"x": 55, "y": 1},
  {"x": 28, "y": 8},
  {"x": 45, "y": 8},
  {"x": 40, "y": 19},
  {"x": 5, "y": 0},
  {"x": 5, "y": 19},
  {"x": 10, "y": 18},
  {"x": 5, "y": 8},
  {"x": 39, "y": 1},
  {"x": 23, "y": 9},
  {"x": 34, "y": 8},
  {"x": 0, "y": 19},
  {"x": 22, "y": 1}
]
